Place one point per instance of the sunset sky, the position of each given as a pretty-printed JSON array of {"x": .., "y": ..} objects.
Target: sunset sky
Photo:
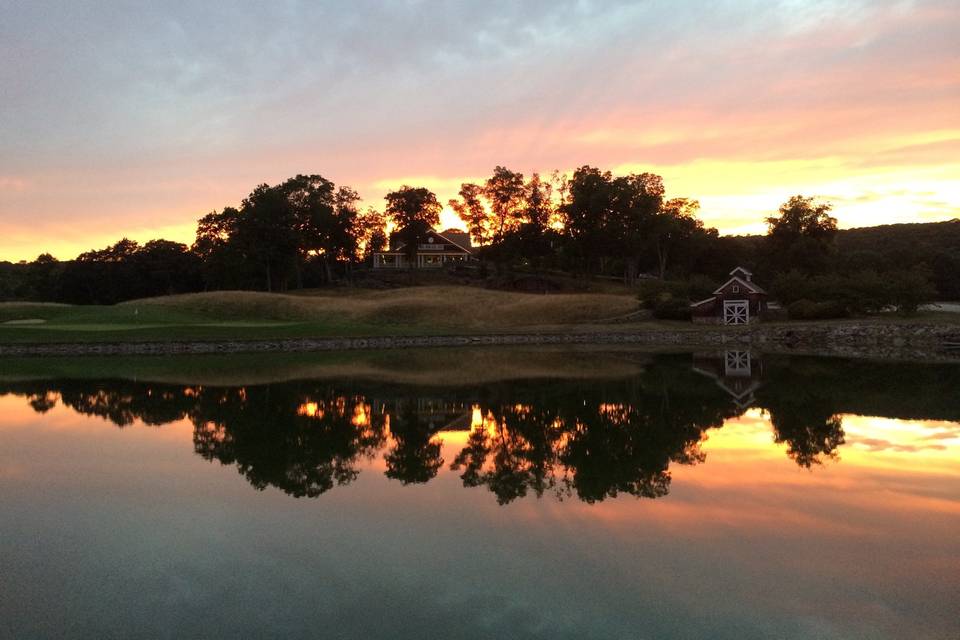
[{"x": 123, "y": 119}]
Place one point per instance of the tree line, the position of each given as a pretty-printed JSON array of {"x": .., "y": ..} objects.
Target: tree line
[{"x": 309, "y": 232}]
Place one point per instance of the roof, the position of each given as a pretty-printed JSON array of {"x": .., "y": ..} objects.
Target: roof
[
  {"x": 751, "y": 287},
  {"x": 458, "y": 245},
  {"x": 459, "y": 236},
  {"x": 743, "y": 269}
]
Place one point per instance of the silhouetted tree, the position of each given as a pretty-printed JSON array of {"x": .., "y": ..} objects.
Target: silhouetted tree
[
  {"x": 414, "y": 211},
  {"x": 471, "y": 210},
  {"x": 632, "y": 224},
  {"x": 801, "y": 235},
  {"x": 269, "y": 234},
  {"x": 587, "y": 211},
  {"x": 504, "y": 190}
]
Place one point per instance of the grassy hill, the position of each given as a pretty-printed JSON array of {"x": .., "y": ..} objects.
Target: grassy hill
[{"x": 252, "y": 315}]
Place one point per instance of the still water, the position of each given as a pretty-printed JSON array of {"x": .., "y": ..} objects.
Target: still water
[{"x": 480, "y": 494}]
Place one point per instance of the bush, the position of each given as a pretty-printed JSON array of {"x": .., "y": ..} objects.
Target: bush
[
  {"x": 858, "y": 293},
  {"x": 809, "y": 310},
  {"x": 791, "y": 286},
  {"x": 670, "y": 308},
  {"x": 909, "y": 290},
  {"x": 653, "y": 291},
  {"x": 700, "y": 287}
]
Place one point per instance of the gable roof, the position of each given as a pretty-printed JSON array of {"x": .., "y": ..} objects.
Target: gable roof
[
  {"x": 750, "y": 286},
  {"x": 454, "y": 242},
  {"x": 457, "y": 245}
]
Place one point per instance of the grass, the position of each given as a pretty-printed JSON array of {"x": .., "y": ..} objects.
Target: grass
[
  {"x": 423, "y": 310},
  {"x": 239, "y": 315}
]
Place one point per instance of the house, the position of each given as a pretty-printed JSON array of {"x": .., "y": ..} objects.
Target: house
[
  {"x": 738, "y": 301},
  {"x": 435, "y": 250}
]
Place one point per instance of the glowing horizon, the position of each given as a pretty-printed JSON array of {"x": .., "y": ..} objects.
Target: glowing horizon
[{"x": 135, "y": 122}]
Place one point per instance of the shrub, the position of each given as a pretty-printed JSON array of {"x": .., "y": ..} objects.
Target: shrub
[
  {"x": 809, "y": 310},
  {"x": 669, "y": 308},
  {"x": 700, "y": 287},
  {"x": 791, "y": 286},
  {"x": 654, "y": 290},
  {"x": 909, "y": 290}
]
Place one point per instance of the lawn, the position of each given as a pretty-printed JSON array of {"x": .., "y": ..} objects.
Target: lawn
[
  {"x": 243, "y": 315},
  {"x": 424, "y": 310}
]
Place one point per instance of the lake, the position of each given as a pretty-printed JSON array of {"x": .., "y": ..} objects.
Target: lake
[{"x": 488, "y": 493}]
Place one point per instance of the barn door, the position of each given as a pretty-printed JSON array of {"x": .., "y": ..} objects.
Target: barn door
[{"x": 736, "y": 312}]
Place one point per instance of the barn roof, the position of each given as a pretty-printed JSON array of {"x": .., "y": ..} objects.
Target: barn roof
[{"x": 750, "y": 286}]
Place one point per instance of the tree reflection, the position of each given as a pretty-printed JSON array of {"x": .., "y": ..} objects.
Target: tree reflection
[
  {"x": 278, "y": 435},
  {"x": 592, "y": 440},
  {"x": 511, "y": 450},
  {"x": 415, "y": 454}
]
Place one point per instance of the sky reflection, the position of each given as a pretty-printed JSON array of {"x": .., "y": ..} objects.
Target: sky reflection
[{"x": 746, "y": 544}]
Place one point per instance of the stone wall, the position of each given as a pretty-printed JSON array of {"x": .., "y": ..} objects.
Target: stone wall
[{"x": 867, "y": 339}]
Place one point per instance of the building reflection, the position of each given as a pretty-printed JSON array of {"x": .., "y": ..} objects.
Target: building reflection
[{"x": 586, "y": 439}]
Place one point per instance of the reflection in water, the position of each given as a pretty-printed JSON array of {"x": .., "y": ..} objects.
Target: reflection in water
[{"x": 593, "y": 439}]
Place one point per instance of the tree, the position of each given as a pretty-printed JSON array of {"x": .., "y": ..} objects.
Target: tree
[
  {"x": 504, "y": 191},
  {"x": 801, "y": 235},
  {"x": 371, "y": 225},
  {"x": 268, "y": 234},
  {"x": 586, "y": 212},
  {"x": 538, "y": 203},
  {"x": 223, "y": 264},
  {"x": 166, "y": 267},
  {"x": 910, "y": 289},
  {"x": 474, "y": 214},
  {"x": 636, "y": 201},
  {"x": 43, "y": 277},
  {"x": 414, "y": 211},
  {"x": 326, "y": 220},
  {"x": 676, "y": 226}
]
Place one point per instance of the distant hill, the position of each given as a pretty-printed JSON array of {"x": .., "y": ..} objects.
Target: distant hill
[
  {"x": 890, "y": 246},
  {"x": 930, "y": 237}
]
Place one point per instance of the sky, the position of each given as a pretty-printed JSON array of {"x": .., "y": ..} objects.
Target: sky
[{"x": 135, "y": 119}]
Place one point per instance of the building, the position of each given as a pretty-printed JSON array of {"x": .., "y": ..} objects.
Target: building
[
  {"x": 738, "y": 301},
  {"x": 434, "y": 251}
]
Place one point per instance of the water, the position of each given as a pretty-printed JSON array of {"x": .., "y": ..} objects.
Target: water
[{"x": 480, "y": 494}]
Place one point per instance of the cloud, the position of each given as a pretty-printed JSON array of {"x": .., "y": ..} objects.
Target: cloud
[{"x": 154, "y": 114}]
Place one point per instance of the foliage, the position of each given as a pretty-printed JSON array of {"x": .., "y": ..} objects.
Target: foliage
[
  {"x": 804, "y": 309},
  {"x": 834, "y": 295},
  {"x": 670, "y": 299},
  {"x": 801, "y": 235},
  {"x": 414, "y": 211},
  {"x": 307, "y": 231}
]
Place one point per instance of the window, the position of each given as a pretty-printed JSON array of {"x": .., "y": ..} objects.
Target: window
[{"x": 736, "y": 288}]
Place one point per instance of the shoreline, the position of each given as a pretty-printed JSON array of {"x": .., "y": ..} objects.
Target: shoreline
[{"x": 927, "y": 342}]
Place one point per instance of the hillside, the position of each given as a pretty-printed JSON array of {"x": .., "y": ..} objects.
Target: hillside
[{"x": 251, "y": 315}]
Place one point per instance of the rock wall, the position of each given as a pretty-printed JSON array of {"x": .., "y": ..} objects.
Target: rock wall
[{"x": 875, "y": 340}]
